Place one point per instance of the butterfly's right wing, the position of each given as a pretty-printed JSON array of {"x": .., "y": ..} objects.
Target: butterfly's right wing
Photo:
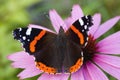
[
  {"x": 78, "y": 37},
  {"x": 78, "y": 31}
]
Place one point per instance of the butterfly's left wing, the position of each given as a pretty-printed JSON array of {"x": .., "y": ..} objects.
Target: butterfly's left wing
[
  {"x": 44, "y": 46},
  {"x": 32, "y": 38}
]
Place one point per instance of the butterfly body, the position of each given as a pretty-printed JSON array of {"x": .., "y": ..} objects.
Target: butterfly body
[{"x": 56, "y": 53}]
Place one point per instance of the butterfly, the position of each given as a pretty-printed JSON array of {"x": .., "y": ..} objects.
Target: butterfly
[{"x": 56, "y": 52}]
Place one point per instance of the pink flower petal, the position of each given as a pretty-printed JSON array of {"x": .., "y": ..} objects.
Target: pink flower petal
[
  {"x": 57, "y": 21},
  {"x": 53, "y": 77},
  {"x": 109, "y": 49},
  {"x": 18, "y": 56},
  {"x": 44, "y": 76},
  {"x": 29, "y": 72},
  {"x": 77, "y": 75},
  {"x": 109, "y": 67},
  {"x": 108, "y": 59},
  {"x": 60, "y": 77},
  {"x": 106, "y": 26},
  {"x": 21, "y": 59},
  {"x": 110, "y": 40},
  {"x": 23, "y": 63},
  {"x": 94, "y": 72},
  {"x": 68, "y": 22},
  {"x": 96, "y": 23},
  {"x": 110, "y": 45},
  {"x": 86, "y": 73},
  {"x": 40, "y": 27},
  {"x": 76, "y": 13}
]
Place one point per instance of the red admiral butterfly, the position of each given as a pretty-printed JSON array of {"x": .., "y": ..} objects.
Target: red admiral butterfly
[{"x": 56, "y": 53}]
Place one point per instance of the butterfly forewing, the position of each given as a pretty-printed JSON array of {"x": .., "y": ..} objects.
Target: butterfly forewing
[
  {"x": 30, "y": 37},
  {"x": 78, "y": 31}
]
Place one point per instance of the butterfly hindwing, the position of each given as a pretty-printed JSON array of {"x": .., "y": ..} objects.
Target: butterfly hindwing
[
  {"x": 72, "y": 56},
  {"x": 60, "y": 55}
]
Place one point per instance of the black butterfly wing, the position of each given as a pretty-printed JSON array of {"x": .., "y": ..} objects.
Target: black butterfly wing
[
  {"x": 73, "y": 57},
  {"x": 77, "y": 39},
  {"x": 56, "y": 53},
  {"x": 78, "y": 31},
  {"x": 29, "y": 38},
  {"x": 43, "y": 45},
  {"x": 50, "y": 58}
]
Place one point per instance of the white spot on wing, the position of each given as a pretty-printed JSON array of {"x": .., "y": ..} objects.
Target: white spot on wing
[
  {"x": 81, "y": 22},
  {"x": 20, "y": 29},
  {"x": 28, "y": 32},
  {"x": 85, "y": 44},
  {"x": 24, "y": 38},
  {"x": 83, "y": 30},
  {"x": 86, "y": 17},
  {"x": 28, "y": 39},
  {"x": 87, "y": 23},
  {"x": 87, "y": 38},
  {"x": 82, "y": 55},
  {"x": 85, "y": 27}
]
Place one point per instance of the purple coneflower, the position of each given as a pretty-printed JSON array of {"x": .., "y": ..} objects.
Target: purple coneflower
[{"x": 99, "y": 56}]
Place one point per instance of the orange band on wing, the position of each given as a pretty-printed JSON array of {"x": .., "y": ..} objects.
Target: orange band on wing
[
  {"x": 45, "y": 68},
  {"x": 75, "y": 67},
  {"x": 34, "y": 42},
  {"x": 80, "y": 35}
]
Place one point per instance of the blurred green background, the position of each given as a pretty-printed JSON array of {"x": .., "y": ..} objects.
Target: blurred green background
[{"x": 20, "y": 13}]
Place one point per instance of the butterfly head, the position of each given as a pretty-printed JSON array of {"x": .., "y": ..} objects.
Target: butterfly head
[{"x": 61, "y": 30}]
